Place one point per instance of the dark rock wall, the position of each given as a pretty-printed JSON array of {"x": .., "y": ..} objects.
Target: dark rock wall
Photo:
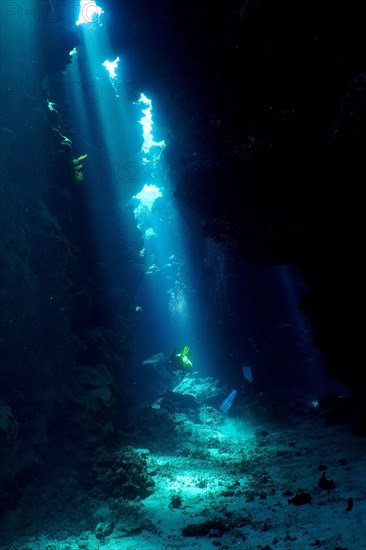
[
  {"x": 63, "y": 332},
  {"x": 265, "y": 108}
]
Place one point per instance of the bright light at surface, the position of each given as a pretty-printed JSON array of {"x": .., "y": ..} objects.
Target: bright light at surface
[
  {"x": 147, "y": 125},
  {"x": 89, "y": 12},
  {"x": 111, "y": 67},
  {"x": 148, "y": 195}
]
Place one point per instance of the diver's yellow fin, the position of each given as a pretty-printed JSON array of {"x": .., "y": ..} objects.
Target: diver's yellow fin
[{"x": 185, "y": 350}]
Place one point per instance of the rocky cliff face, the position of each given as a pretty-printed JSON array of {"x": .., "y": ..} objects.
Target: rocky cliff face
[
  {"x": 265, "y": 103},
  {"x": 59, "y": 347}
]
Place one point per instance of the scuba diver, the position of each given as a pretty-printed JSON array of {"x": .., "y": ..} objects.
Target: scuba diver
[{"x": 180, "y": 362}]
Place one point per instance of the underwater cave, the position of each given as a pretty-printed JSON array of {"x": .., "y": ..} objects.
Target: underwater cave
[{"x": 182, "y": 277}]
